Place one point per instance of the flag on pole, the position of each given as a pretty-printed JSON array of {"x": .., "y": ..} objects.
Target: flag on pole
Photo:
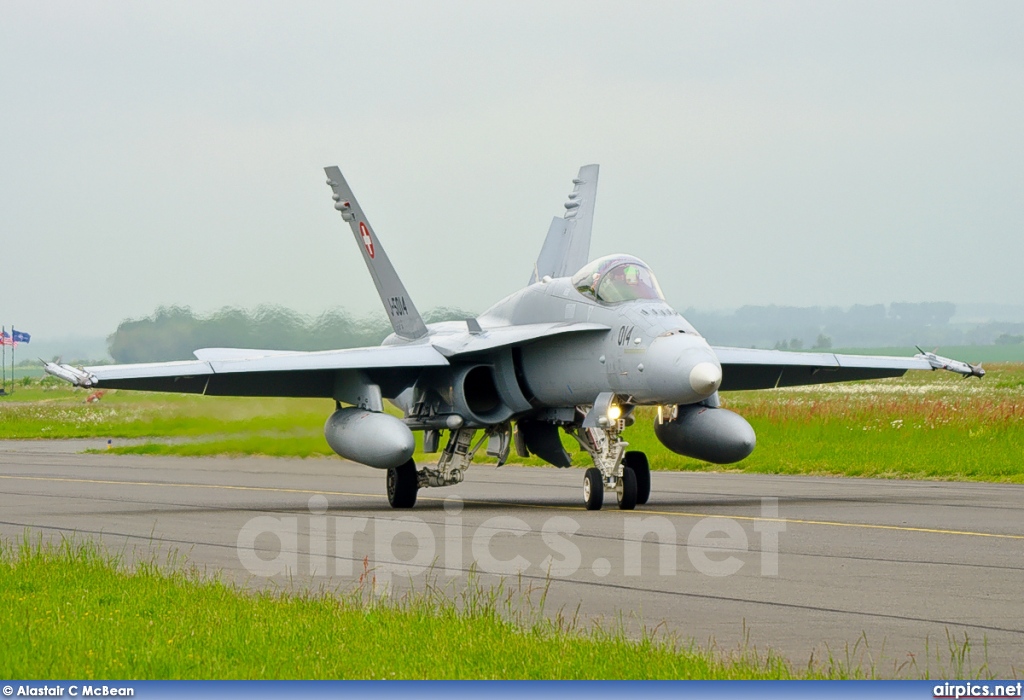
[
  {"x": 5, "y": 338},
  {"x": 19, "y": 337}
]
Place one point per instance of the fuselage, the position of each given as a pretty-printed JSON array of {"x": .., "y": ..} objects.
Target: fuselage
[{"x": 648, "y": 353}]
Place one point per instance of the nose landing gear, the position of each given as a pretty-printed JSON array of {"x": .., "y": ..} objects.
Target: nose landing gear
[
  {"x": 637, "y": 463},
  {"x": 593, "y": 489},
  {"x": 625, "y": 489},
  {"x": 628, "y": 474}
]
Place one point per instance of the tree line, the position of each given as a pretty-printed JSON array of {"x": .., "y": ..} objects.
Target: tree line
[
  {"x": 877, "y": 325},
  {"x": 174, "y": 332}
]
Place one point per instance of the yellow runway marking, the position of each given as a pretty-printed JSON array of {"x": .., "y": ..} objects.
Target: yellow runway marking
[
  {"x": 184, "y": 485},
  {"x": 683, "y": 514},
  {"x": 831, "y": 523}
]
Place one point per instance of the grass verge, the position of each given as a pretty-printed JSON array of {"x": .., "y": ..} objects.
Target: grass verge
[{"x": 69, "y": 611}]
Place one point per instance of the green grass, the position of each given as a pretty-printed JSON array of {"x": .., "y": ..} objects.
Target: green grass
[
  {"x": 256, "y": 444},
  {"x": 927, "y": 425},
  {"x": 69, "y": 611},
  {"x": 52, "y": 409}
]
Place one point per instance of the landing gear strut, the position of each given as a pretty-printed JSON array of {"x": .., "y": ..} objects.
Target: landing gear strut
[{"x": 403, "y": 482}]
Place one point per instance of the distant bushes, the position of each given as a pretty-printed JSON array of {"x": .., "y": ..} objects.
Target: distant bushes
[
  {"x": 899, "y": 324},
  {"x": 174, "y": 332}
]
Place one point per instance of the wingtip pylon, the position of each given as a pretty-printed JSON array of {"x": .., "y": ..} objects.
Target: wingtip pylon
[
  {"x": 939, "y": 362},
  {"x": 72, "y": 375}
]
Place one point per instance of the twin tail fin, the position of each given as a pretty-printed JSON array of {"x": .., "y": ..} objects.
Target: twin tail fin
[{"x": 402, "y": 313}]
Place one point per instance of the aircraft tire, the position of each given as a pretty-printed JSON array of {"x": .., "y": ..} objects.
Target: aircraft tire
[
  {"x": 637, "y": 461},
  {"x": 593, "y": 489},
  {"x": 625, "y": 490},
  {"x": 403, "y": 485}
]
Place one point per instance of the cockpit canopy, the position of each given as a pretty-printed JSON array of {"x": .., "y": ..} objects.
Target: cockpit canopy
[{"x": 617, "y": 278}]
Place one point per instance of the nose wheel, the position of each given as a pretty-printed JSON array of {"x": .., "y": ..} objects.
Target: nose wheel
[
  {"x": 641, "y": 468},
  {"x": 626, "y": 473},
  {"x": 593, "y": 489},
  {"x": 632, "y": 487},
  {"x": 625, "y": 489}
]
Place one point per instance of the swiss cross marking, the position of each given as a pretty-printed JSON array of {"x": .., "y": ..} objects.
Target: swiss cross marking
[{"x": 364, "y": 231}]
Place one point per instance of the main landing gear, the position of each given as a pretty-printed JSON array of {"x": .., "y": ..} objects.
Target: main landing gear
[
  {"x": 628, "y": 474},
  {"x": 404, "y": 482}
]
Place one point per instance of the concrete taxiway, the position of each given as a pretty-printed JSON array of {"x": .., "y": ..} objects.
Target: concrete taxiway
[{"x": 882, "y": 573}]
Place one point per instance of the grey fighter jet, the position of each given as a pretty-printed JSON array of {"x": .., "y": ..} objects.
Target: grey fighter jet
[{"x": 576, "y": 351}]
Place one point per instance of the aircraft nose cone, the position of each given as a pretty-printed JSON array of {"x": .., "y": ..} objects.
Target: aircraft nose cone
[
  {"x": 680, "y": 369},
  {"x": 705, "y": 378}
]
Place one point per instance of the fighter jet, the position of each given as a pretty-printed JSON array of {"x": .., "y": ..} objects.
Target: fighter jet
[{"x": 576, "y": 351}]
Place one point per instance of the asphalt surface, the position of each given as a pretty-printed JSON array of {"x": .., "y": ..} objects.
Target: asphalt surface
[{"x": 881, "y": 574}]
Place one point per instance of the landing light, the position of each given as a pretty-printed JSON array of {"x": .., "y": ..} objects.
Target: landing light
[{"x": 614, "y": 412}]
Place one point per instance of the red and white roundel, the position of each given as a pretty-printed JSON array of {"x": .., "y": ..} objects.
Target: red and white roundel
[{"x": 364, "y": 231}]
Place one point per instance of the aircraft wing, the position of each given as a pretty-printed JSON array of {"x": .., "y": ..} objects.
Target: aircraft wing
[
  {"x": 230, "y": 372},
  {"x": 748, "y": 368},
  {"x": 252, "y": 372},
  {"x": 483, "y": 339},
  {"x": 236, "y": 353}
]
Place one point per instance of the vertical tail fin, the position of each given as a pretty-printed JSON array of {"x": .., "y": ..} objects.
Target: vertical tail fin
[
  {"x": 567, "y": 246},
  {"x": 405, "y": 319}
]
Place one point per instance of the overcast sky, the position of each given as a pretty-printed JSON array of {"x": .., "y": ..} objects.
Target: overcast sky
[{"x": 800, "y": 153}]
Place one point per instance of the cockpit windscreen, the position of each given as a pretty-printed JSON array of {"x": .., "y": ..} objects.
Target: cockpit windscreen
[{"x": 617, "y": 278}]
